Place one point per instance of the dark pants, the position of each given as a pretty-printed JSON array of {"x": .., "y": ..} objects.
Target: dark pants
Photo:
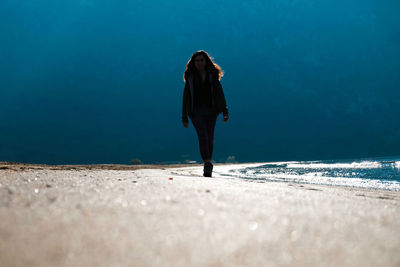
[{"x": 205, "y": 125}]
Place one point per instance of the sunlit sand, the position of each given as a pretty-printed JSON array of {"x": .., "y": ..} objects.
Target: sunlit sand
[{"x": 165, "y": 216}]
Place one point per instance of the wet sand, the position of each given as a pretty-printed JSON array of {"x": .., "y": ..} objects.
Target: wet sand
[{"x": 170, "y": 215}]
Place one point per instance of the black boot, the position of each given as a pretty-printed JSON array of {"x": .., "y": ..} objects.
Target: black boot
[{"x": 207, "y": 170}]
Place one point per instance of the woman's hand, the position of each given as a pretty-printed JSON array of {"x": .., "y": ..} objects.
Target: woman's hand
[
  {"x": 185, "y": 124},
  {"x": 225, "y": 117}
]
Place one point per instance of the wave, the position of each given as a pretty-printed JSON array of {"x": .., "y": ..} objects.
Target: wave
[{"x": 373, "y": 174}]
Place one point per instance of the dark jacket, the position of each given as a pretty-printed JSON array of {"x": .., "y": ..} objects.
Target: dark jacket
[{"x": 218, "y": 97}]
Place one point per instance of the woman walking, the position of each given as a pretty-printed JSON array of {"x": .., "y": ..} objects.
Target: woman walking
[{"x": 203, "y": 101}]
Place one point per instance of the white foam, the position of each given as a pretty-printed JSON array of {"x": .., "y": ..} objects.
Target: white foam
[
  {"x": 318, "y": 177},
  {"x": 352, "y": 165}
]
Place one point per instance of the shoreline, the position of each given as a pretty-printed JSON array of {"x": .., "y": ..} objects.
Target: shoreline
[{"x": 18, "y": 166}]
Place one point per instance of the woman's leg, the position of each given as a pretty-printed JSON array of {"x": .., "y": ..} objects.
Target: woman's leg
[
  {"x": 201, "y": 125},
  {"x": 210, "y": 129}
]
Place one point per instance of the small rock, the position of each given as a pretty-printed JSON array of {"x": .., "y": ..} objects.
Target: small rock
[
  {"x": 10, "y": 191},
  {"x": 253, "y": 226},
  {"x": 52, "y": 198}
]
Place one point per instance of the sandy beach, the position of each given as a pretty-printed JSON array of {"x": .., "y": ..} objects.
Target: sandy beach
[{"x": 159, "y": 215}]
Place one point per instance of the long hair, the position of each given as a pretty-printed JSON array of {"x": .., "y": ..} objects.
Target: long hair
[{"x": 211, "y": 66}]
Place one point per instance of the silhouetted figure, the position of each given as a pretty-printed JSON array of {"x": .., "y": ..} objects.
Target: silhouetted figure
[{"x": 203, "y": 101}]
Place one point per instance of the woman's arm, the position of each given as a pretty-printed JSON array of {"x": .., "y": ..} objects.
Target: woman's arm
[
  {"x": 225, "y": 108},
  {"x": 184, "y": 102}
]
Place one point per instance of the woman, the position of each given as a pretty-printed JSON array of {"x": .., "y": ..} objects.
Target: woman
[{"x": 203, "y": 101}]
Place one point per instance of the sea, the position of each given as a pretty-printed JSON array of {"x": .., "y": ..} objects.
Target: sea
[{"x": 372, "y": 173}]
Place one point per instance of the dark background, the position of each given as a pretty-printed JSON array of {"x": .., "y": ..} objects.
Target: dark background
[{"x": 101, "y": 81}]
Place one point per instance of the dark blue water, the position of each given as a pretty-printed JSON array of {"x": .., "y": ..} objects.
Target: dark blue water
[
  {"x": 373, "y": 173},
  {"x": 84, "y": 81}
]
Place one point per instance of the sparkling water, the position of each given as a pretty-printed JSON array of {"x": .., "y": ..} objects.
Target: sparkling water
[{"x": 373, "y": 173}]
